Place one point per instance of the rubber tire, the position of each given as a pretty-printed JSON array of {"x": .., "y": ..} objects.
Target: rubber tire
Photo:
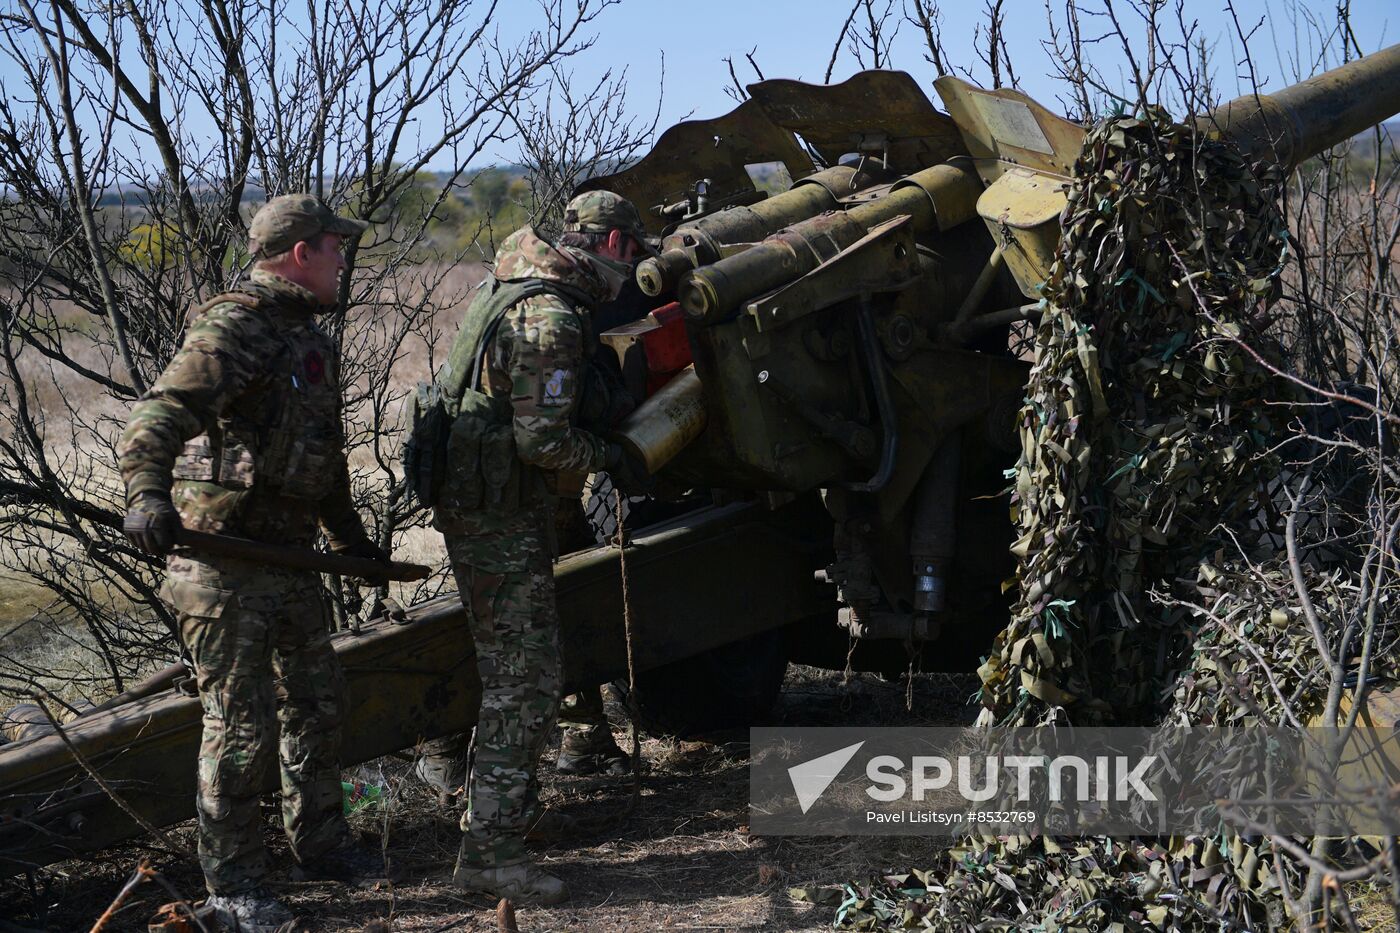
[{"x": 730, "y": 687}]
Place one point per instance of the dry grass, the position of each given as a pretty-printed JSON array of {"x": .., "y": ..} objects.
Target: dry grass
[
  {"x": 20, "y": 599},
  {"x": 79, "y": 423},
  {"x": 1371, "y": 902},
  {"x": 684, "y": 860}
]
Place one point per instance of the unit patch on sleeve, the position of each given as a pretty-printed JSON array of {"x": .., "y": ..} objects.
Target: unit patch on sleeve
[{"x": 558, "y": 388}]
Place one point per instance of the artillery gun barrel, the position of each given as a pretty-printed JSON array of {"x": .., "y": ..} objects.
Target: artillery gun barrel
[
  {"x": 1285, "y": 128},
  {"x": 1300, "y": 121},
  {"x": 937, "y": 198},
  {"x": 698, "y": 242}
]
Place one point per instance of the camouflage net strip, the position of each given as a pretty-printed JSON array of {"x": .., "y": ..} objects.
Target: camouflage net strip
[
  {"x": 1147, "y": 447},
  {"x": 1145, "y": 428}
]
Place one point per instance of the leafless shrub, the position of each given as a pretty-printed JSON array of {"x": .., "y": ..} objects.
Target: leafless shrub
[
  {"x": 576, "y": 133},
  {"x": 867, "y": 34},
  {"x": 735, "y": 87},
  {"x": 135, "y": 141}
]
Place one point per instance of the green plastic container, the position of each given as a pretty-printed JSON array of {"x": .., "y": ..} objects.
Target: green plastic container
[{"x": 359, "y": 795}]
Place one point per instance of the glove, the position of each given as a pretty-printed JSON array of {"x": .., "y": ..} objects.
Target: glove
[
  {"x": 363, "y": 548},
  {"x": 151, "y": 522},
  {"x": 603, "y": 400},
  {"x": 629, "y": 472}
]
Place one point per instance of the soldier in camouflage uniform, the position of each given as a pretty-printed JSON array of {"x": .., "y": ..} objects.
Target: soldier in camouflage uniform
[
  {"x": 241, "y": 435},
  {"x": 513, "y": 448}
]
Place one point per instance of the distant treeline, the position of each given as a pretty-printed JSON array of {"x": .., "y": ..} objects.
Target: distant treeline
[
  {"x": 466, "y": 223},
  {"x": 137, "y": 195}
]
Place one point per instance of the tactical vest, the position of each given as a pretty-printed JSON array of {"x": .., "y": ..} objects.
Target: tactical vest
[
  {"x": 460, "y": 456},
  {"x": 280, "y": 435}
]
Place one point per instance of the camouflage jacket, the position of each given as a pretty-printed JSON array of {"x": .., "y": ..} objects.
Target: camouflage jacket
[
  {"x": 537, "y": 359},
  {"x": 243, "y": 427}
]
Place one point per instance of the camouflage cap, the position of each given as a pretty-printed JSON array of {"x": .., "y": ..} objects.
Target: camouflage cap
[
  {"x": 288, "y": 219},
  {"x": 602, "y": 211}
]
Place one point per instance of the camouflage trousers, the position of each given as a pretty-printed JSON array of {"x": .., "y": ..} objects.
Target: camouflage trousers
[
  {"x": 507, "y": 587},
  {"x": 271, "y": 689}
]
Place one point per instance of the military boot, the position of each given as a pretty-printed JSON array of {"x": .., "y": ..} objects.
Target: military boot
[
  {"x": 255, "y": 911},
  {"x": 591, "y": 750},
  {"x": 521, "y": 882},
  {"x": 443, "y": 765}
]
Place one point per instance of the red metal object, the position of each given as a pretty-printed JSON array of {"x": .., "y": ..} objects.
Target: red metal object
[
  {"x": 666, "y": 346},
  {"x": 657, "y": 344}
]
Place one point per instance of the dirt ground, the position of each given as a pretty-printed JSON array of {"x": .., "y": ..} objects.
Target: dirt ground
[{"x": 682, "y": 860}]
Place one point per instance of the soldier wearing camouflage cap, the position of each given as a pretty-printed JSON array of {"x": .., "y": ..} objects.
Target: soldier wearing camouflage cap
[
  {"x": 601, "y": 212},
  {"x": 587, "y": 745},
  {"x": 282, "y": 223},
  {"x": 513, "y": 380},
  {"x": 241, "y": 435}
]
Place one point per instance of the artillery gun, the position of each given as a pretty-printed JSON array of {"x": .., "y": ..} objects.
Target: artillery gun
[
  {"x": 847, "y": 392},
  {"x": 862, "y": 349}
]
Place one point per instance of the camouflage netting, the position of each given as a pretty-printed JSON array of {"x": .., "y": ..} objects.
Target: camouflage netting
[
  {"x": 1082, "y": 885},
  {"x": 1148, "y": 438},
  {"x": 1226, "y": 683},
  {"x": 1145, "y": 431},
  {"x": 1100, "y": 883}
]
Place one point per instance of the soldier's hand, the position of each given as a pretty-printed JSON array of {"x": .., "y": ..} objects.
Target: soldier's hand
[
  {"x": 628, "y": 471},
  {"x": 151, "y": 522},
  {"x": 364, "y": 548}
]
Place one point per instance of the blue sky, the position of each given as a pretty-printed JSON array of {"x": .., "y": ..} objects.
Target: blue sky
[{"x": 795, "y": 39}]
